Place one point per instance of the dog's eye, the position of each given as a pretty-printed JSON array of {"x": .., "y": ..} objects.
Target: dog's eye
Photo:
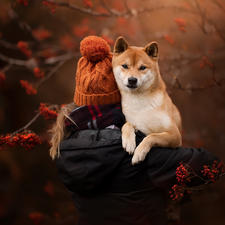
[
  {"x": 125, "y": 66},
  {"x": 142, "y": 68}
]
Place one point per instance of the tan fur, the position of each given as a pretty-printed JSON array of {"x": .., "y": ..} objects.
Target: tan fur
[
  {"x": 58, "y": 132},
  {"x": 146, "y": 105}
]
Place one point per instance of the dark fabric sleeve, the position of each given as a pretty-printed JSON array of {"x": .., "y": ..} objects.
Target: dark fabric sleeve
[
  {"x": 94, "y": 161},
  {"x": 93, "y": 158},
  {"x": 162, "y": 164}
]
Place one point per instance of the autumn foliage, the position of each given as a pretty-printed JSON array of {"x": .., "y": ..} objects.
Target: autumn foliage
[
  {"x": 47, "y": 113},
  {"x": 39, "y": 51},
  {"x": 28, "y": 87},
  {"x": 185, "y": 174},
  {"x": 26, "y": 139}
]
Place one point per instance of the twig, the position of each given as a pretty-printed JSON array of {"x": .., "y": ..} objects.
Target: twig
[
  {"x": 27, "y": 125},
  {"x": 179, "y": 84},
  {"x": 218, "y": 31},
  {"x": 204, "y": 185},
  {"x": 7, "y": 67},
  {"x": 218, "y": 83},
  {"x": 192, "y": 89},
  {"x": 66, "y": 56},
  {"x": 9, "y": 45},
  {"x": 18, "y": 62},
  {"x": 52, "y": 71},
  {"x": 32, "y": 121},
  {"x": 23, "y": 25},
  {"x": 203, "y": 17},
  {"x": 126, "y": 6},
  {"x": 31, "y": 63},
  {"x": 81, "y": 9},
  {"x": 126, "y": 13},
  {"x": 219, "y": 5},
  {"x": 201, "y": 88},
  {"x": 106, "y": 7}
]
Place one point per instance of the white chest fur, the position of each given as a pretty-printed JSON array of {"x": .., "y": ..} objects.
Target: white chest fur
[{"x": 146, "y": 113}]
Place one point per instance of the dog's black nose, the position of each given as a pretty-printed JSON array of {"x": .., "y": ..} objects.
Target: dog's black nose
[{"x": 132, "y": 80}]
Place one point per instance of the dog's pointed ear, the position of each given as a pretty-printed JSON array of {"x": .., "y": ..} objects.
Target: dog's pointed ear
[
  {"x": 121, "y": 45},
  {"x": 152, "y": 50}
]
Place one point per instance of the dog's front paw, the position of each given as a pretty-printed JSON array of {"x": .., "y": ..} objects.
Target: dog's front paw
[
  {"x": 129, "y": 143},
  {"x": 138, "y": 157},
  {"x": 140, "y": 153}
]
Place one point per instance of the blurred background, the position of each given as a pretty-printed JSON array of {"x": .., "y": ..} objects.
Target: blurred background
[{"x": 46, "y": 36}]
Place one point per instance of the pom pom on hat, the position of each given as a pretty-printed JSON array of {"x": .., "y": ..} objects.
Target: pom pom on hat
[
  {"x": 95, "y": 82},
  {"x": 94, "y": 48}
]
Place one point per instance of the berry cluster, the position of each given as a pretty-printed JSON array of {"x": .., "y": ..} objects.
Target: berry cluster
[
  {"x": 108, "y": 40},
  {"x": 83, "y": 29},
  {"x": 121, "y": 21},
  {"x": 37, "y": 218},
  {"x": 2, "y": 78},
  {"x": 80, "y": 31},
  {"x": 47, "y": 53},
  {"x": 49, "y": 189},
  {"x": 41, "y": 34},
  {"x": 23, "y": 2},
  {"x": 181, "y": 23},
  {"x": 26, "y": 139},
  {"x": 182, "y": 174},
  {"x": 213, "y": 172},
  {"x": 67, "y": 42},
  {"x": 177, "y": 191},
  {"x": 23, "y": 47},
  {"x": 205, "y": 61},
  {"x": 169, "y": 39},
  {"x": 50, "y": 5},
  {"x": 28, "y": 87},
  {"x": 47, "y": 113},
  {"x": 38, "y": 73},
  {"x": 88, "y": 3}
]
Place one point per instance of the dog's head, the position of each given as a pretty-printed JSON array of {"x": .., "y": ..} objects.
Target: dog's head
[{"x": 135, "y": 68}]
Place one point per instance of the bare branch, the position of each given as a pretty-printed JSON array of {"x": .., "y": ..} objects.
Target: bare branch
[
  {"x": 126, "y": 13},
  {"x": 80, "y": 9},
  {"x": 23, "y": 25},
  {"x": 106, "y": 7},
  {"x": 203, "y": 17},
  {"x": 179, "y": 86},
  {"x": 30, "y": 63},
  {"x": 27, "y": 125},
  {"x": 190, "y": 88},
  {"x": 126, "y": 6},
  {"x": 52, "y": 71},
  {"x": 9, "y": 45},
  {"x": 7, "y": 67},
  {"x": 218, "y": 31},
  {"x": 218, "y": 83},
  {"x": 66, "y": 56},
  {"x": 24, "y": 128},
  {"x": 201, "y": 187},
  {"x": 219, "y": 5}
]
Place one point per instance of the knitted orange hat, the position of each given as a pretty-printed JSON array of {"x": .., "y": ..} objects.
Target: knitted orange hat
[{"x": 95, "y": 82}]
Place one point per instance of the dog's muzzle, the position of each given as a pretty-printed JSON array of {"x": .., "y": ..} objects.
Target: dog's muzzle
[{"x": 132, "y": 82}]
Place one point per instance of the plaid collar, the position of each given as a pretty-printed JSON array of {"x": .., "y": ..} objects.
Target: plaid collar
[{"x": 95, "y": 117}]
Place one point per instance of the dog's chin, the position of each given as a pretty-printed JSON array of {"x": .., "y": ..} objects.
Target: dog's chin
[{"x": 132, "y": 87}]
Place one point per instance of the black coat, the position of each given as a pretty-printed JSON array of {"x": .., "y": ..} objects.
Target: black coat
[{"x": 108, "y": 190}]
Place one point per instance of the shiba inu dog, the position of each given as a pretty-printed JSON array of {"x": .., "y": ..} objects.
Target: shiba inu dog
[{"x": 145, "y": 102}]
